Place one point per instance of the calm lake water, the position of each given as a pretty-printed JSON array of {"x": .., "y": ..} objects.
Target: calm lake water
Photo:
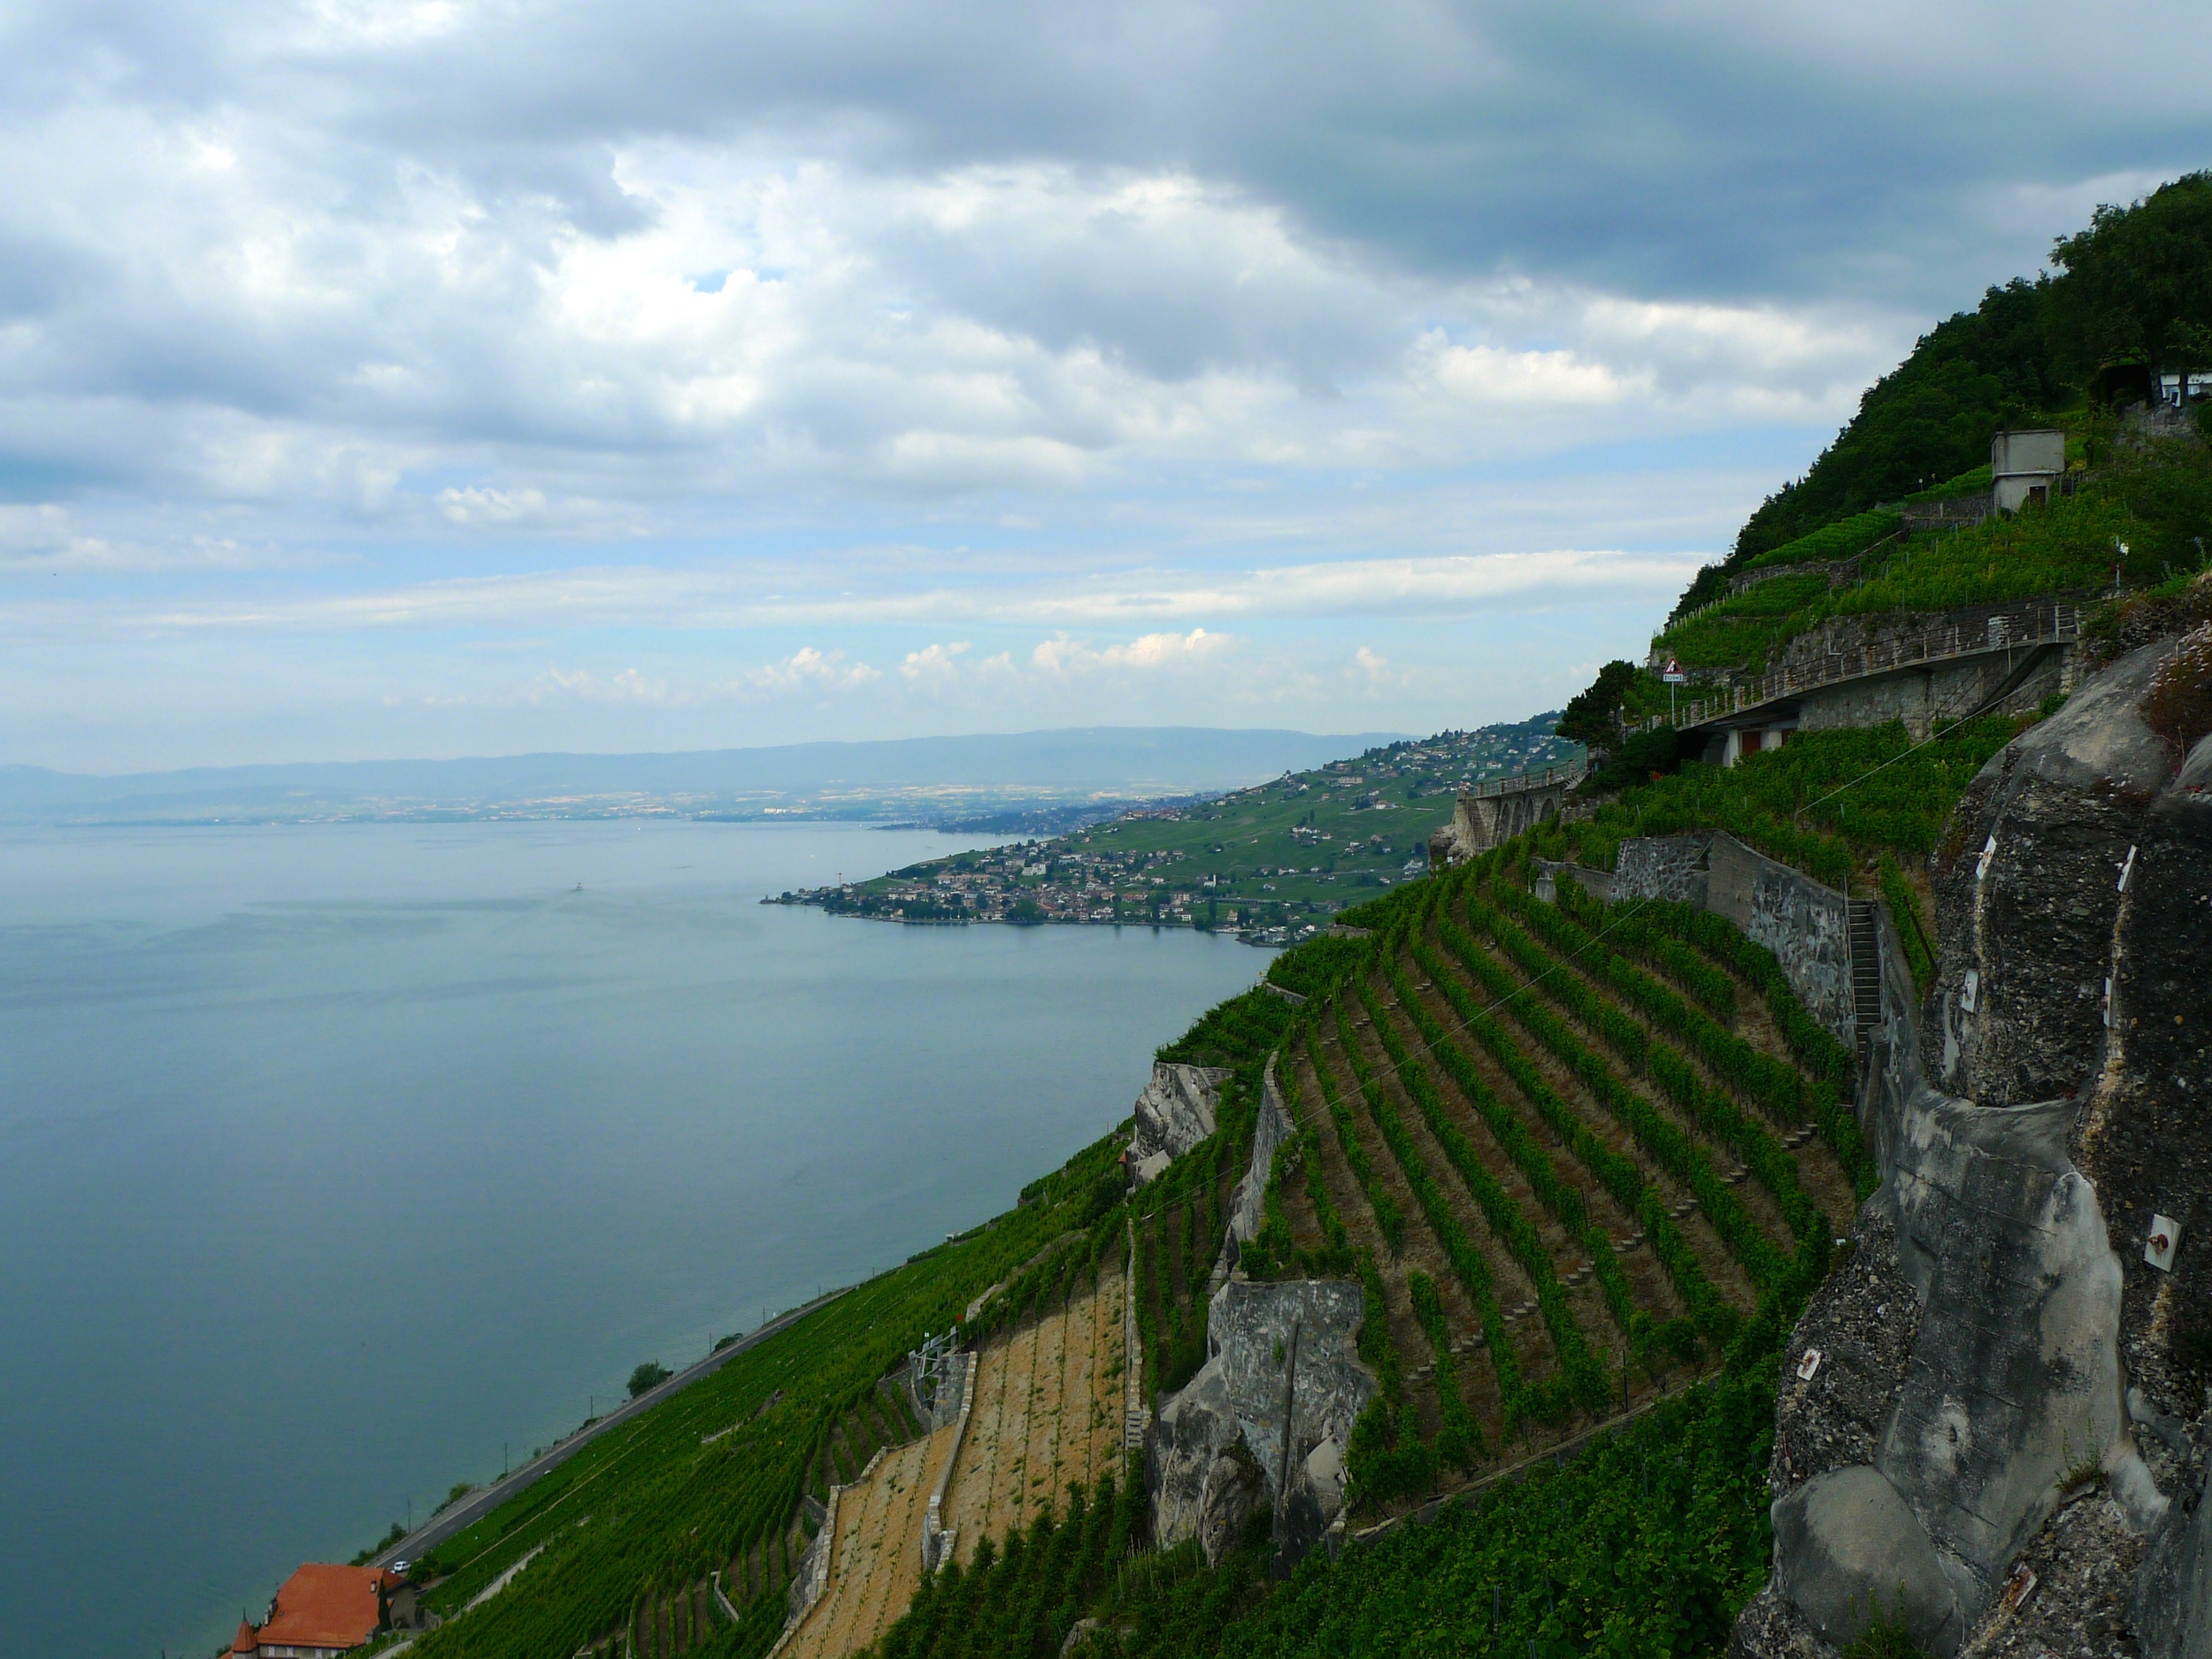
[{"x": 334, "y": 1159}]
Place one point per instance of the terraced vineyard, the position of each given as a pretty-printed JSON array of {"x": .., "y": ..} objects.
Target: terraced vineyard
[
  {"x": 1048, "y": 1411},
  {"x": 1045, "y": 1421},
  {"x": 875, "y": 1560},
  {"x": 1571, "y": 1151}
]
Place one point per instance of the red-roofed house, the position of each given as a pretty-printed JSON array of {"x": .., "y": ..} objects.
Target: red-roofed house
[{"x": 324, "y": 1610}]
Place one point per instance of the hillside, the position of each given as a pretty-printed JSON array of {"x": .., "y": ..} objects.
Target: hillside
[
  {"x": 1572, "y": 1251},
  {"x": 1602, "y": 1190},
  {"x": 2132, "y": 294},
  {"x": 1273, "y": 860}
]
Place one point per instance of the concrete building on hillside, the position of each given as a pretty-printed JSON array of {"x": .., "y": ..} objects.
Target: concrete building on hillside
[
  {"x": 2024, "y": 467},
  {"x": 323, "y": 1610}
]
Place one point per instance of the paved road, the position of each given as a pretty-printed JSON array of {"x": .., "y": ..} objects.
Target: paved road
[{"x": 484, "y": 1499}]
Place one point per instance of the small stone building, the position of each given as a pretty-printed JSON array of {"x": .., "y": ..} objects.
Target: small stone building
[{"x": 2025, "y": 468}]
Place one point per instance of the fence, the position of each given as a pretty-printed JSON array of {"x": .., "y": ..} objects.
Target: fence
[
  {"x": 1943, "y": 515},
  {"x": 1972, "y": 634},
  {"x": 1566, "y": 772}
]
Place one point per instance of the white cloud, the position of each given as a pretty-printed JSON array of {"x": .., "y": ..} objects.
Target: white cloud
[
  {"x": 806, "y": 672},
  {"x": 934, "y": 663},
  {"x": 808, "y": 669},
  {"x": 731, "y": 596},
  {"x": 492, "y": 506},
  {"x": 418, "y": 320},
  {"x": 1147, "y": 653},
  {"x": 485, "y": 508},
  {"x": 1551, "y": 381}
]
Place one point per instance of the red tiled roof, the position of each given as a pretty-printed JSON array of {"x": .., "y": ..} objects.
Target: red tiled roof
[
  {"x": 244, "y": 1641},
  {"x": 323, "y": 1605}
]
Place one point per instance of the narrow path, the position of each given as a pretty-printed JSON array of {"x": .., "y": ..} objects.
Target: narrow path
[{"x": 503, "y": 1580}]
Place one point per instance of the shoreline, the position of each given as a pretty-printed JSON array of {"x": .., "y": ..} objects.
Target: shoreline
[{"x": 474, "y": 1505}]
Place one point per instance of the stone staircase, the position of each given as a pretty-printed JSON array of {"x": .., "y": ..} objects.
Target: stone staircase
[
  {"x": 1866, "y": 967},
  {"x": 1136, "y": 1415}
]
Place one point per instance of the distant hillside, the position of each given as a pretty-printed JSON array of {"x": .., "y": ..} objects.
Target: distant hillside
[
  {"x": 929, "y": 778},
  {"x": 1274, "y": 860}
]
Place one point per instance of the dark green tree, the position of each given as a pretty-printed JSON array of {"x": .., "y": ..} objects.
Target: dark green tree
[
  {"x": 1593, "y": 716},
  {"x": 2137, "y": 285}
]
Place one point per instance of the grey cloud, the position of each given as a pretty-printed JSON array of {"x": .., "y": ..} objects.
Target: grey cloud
[
  {"x": 1365, "y": 174},
  {"x": 1620, "y": 145}
]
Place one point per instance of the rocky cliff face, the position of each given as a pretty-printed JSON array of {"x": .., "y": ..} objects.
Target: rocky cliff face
[
  {"x": 1266, "y": 1422},
  {"x": 1280, "y": 1363},
  {"x": 1175, "y": 1112},
  {"x": 2002, "y": 1439},
  {"x": 1248, "y": 1204}
]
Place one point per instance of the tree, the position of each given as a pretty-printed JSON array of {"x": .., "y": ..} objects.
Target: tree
[
  {"x": 1592, "y": 717},
  {"x": 1928, "y": 419},
  {"x": 2137, "y": 285},
  {"x": 652, "y": 1374}
]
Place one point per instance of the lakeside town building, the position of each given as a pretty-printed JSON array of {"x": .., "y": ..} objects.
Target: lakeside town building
[{"x": 323, "y": 1610}]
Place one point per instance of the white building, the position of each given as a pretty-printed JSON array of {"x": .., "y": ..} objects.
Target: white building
[{"x": 2178, "y": 388}]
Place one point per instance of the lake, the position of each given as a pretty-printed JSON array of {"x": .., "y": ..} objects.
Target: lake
[{"x": 339, "y": 1163}]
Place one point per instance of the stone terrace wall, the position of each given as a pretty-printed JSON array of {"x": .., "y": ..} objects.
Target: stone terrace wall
[{"x": 1806, "y": 926}]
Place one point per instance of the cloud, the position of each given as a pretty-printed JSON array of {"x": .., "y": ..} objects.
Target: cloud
[
  {"x": 410, "y": 321},
  {"x": 1373, "y": 675},
  {"x": 1149, "y": 653},
  {"x": 325, "y": 258},
  {"x": 689, "y": 599},
  {"x": 935, "y": 662},
  {"x": 807, "y": 669},
  {"x": 805, "y": 673}
]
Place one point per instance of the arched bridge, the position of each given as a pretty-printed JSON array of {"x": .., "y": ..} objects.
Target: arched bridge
[{"x": 1495, "y": 812}]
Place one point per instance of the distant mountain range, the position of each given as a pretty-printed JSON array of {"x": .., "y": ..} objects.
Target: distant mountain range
[{"x": 925, "y": 779}]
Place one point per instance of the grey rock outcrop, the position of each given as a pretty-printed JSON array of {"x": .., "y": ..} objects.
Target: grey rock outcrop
[
  {"x": 2067, "y": 1029},
  {"x": 1174, "y": 1113},
  {"x": 1969, "y": 1361},
  {"x": 1248, "y": 1203},
  {"x": 2067, "y": 1593},
  {"x": 2079, "y": 903},
  {"x": 1234, "y": 1491},
  {"x": 1847, "y": 1551},
  {"x": 1770, "y": 1627},
  {"x": 2145, "y": 1138},
  {"x": 1861, "y": 1324},
  {"x": 2170, "y": 1596},
  {"x": 1270, "y": 1347},
  {"x": 2015, "y": 1374},
  {"x": 2027, "y": 901}
]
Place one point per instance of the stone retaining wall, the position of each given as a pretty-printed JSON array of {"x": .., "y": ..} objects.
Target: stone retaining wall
[{"x": 1805, "y": 924}]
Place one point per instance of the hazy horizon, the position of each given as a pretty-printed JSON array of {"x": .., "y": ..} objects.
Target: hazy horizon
[{"x": 914, "y": 740}]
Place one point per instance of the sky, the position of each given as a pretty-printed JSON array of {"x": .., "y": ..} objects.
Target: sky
[{"x": 439, "y": 378}]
